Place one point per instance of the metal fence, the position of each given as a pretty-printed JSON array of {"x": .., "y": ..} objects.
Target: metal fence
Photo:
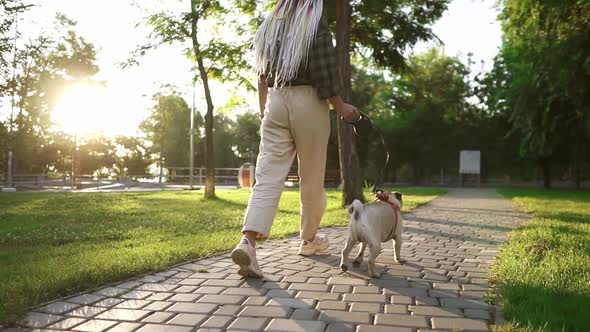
[{"x": 173, "y": 176}]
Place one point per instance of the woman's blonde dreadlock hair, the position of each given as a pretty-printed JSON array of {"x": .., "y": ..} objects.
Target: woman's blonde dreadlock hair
[{"x": 285, "y": 37}]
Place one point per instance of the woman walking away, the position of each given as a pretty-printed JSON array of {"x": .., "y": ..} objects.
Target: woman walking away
[{"x": 298, "y": 79}]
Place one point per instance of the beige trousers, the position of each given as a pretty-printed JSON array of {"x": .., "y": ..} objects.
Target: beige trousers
[{"x": 295, "y": 121}]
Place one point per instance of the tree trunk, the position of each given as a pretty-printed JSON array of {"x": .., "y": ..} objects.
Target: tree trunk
[
  {"x": 209, "y": 154},
  {"x": 349, "y": 163},
  {"x": 577, "y": 173},
  {"x": 546, "y": 167},
  {"x": 162, "y": 144}
]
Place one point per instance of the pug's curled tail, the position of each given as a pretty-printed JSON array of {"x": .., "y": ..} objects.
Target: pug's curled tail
[{"x": 355, "y": 209}]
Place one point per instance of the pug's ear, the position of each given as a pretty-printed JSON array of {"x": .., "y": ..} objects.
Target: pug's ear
[
  {"x": 350, "y": 209},
  {"x": 398, "y": 195}
]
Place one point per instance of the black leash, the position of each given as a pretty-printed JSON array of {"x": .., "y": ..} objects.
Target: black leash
[{"x": 362, "y": 128}]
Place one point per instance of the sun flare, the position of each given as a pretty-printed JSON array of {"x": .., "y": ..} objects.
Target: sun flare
[
  {"x": 78, "y": 108},
  {"x": 85, "y": 109}
]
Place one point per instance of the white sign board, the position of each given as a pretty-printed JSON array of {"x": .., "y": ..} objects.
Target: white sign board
[{"x": 470, "y": 162}]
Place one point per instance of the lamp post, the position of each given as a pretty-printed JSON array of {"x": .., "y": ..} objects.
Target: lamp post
[{"x": 73, "y": 179}]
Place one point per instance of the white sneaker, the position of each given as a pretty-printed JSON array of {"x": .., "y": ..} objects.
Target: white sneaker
[
  {"x": 244, "y": 255},
  {"x": 308, "y": 248}
]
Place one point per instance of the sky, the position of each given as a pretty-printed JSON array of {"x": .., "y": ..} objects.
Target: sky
[{"x": 111, "y": 25}]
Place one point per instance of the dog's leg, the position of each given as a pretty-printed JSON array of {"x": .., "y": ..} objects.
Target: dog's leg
[
  {"x": 350, "y": 243},
  {"x": 374, "y": 250},
  {"x": 397, "y": 249},
  {"x": 359, "y": 257}
]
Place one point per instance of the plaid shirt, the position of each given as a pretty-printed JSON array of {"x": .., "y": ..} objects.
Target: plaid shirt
[{"x": 322, "y": 67}]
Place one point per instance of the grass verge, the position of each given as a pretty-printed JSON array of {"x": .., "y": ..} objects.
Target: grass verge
[
  {"x": 543, "y": 273},
  {"x": 55, "y": 244}
]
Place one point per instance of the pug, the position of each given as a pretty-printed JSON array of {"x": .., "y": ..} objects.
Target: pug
[{"x": 371, "y": 224}]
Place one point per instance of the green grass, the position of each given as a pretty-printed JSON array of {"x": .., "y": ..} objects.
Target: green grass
[
  {"x": 543, "y": 273},
  {"x": 55, "y": 244}
]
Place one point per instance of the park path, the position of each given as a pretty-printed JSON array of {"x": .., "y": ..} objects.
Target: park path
[{"x": 449, "y": 245}]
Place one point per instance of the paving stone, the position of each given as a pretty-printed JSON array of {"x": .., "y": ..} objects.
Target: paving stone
[
  {"x": 123, "y": 314},
  {"x": 167, "y": 328},
  {"x": 217, "y": 322},
  {"x": 244, "y": 291},
  {"x": 446, "y": 286},
  {"x": 332, "y": 305},
  {"x": 317, "y": 295},
  {"x": 459, "y": 324},
  {"x": 150, "y": 279},
  {"x": 222, "y": 299},
  {"x": 310, "y": 288},
  {"x": 95, "y": 325},
  {"x": 340, "y": 327},
  {"x": 188, "y": 297},
  {"x": 365, "y": 298},
  {"x": 399, "y": 299},
  {"x": 159, "y": 296},
  {"x": 389, "y": 283},
  {"x": 197, "y": 308},
  {"x": 209, "y": 290},
  {"x": 86, "y": 299},
  {"x": 158, "y": 317},
  {"x": 290, "y": 279},
  {"x": 190, "y": 283},
  {"x": 345, "y": 317},
  {"x": 132, "y": 304},
  {"x": 125, "y": 327},
  {"x": 157, "y": 287},
  {"x": 59, "y": 307},
  {"x": 275, "y": 285},
  {"x": 435, "y": 311},
  {"x": 108, "y": 302},
  {"x": 135, "y": 294},
  {"x": 292, "y": 303},
  {"x": 368, "y": 307},
  {"x": 248, "y": 323},
  {"x": 432, "y": 301},
  {"x": 208, "y": 276},
  {"x": 67, "y": 323},
  {"x": 256, "y": 300},
  {"x": 341, "y": 289},
  {"x": 158, "y": 306},
  {"x": 228, "y": 310},
  {"x": 223, "y": 283},
  {"x": 187, "y": 319},
  {"x": 396, "y": 309},
  {"x": 401, "y": 320},
  {"x": 304, "y": 314},
  {"x": 129, "y": 284},
  {"x": 264, "y": 311},
  {"x": 473, "y": 294},
  {"x": 295, "y": 325},
  {"x": 442, "y": 293},
  {"x": 347, "y": 281},
  {"x": 374, "y": 328},
  {"x": 464, "y": 303},
  {"x": 471, "y": 287},
  {"x": 477, "y": 314},
  {"x": 406, "y": 291},
  {"x": 86, "y": 311},
  {"x": 366, "y": 289}
]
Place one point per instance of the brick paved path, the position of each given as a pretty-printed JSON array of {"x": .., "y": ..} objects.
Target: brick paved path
[{"x": 449, "y": 245}]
